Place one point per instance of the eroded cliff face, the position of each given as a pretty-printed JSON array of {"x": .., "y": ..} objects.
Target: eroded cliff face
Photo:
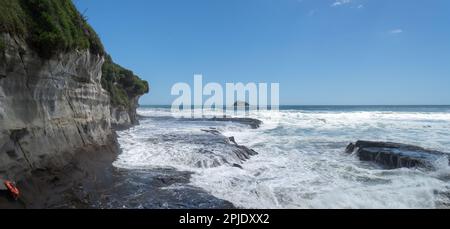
[
  {"x": 49, "y": 109},
  {"x": 122, "y": 117}
]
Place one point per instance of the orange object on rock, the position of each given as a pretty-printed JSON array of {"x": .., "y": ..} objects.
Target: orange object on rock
[{"x": 14, "y": 191}]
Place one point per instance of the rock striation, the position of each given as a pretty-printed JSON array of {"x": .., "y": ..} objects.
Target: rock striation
[
  {"x": 58, "y": 108},
  {"x": 51, "y": 108}
]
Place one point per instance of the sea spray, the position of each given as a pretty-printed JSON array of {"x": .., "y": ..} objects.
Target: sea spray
[{"x": 301, "y": 161}]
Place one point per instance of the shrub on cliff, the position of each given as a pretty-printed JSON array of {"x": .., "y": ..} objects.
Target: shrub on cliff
[
  {"x": 49, "y": 26},
  {"x": 121, "y": 83},
  {"x": 56, "y": 26}
]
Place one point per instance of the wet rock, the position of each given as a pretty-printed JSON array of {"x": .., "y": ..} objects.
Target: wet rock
[
  {"x": 396, "y": 155},
  {"x": 212, "y": 131},
  {"x": 232, "y": 140},
  {"x": 253, "y": 123},
  {"x": 237, "y": 166},
  {"x": 162, "y": 188},
  {"x": 217, "y": 149}
]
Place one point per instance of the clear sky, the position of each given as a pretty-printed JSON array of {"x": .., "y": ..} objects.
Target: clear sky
[{"x": 322, "y": 52}]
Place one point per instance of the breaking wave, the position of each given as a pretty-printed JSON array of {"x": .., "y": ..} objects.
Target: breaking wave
[{"x": 301, "y": 161}]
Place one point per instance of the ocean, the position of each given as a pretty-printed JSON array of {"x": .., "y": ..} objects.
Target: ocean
[{"x": 301, "y": 162}]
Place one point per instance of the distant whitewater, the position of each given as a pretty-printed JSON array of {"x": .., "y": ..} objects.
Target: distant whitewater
[{"x": 301, "y": 161}]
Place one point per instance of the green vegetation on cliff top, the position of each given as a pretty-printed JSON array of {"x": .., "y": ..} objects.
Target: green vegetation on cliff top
[
  {"x": 122, "y": 84},
  {"x": 56, "y": 26},
  {"x": 49, "y": 26}
]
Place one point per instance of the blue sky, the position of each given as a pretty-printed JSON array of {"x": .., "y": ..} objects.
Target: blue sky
[{"x": 322, "y": 52}]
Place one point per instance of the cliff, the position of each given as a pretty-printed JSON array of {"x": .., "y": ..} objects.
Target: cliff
[
  {"x": 57, "y": 95},
  {"x": 125, "y": 89}
]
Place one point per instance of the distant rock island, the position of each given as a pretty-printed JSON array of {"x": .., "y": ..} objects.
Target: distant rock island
[{"x": 241, "y": 104}]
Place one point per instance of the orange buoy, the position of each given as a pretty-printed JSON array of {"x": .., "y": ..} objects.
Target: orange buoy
[{"x": 13, "y": 190}]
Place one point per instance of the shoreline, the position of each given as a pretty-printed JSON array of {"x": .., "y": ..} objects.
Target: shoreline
[
  {"x": 90, "y": 181},
  {"x": 55, "y": 187}
]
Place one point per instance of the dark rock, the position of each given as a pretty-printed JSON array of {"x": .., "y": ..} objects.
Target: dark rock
[
  {"x": 218, "y": 148},
  {"x": 253, "y": 123},
  {"x": 16, "y": 135},
  {"x": 215, "y": 148},
  {"x": 91, "y": 181},
  {"x": 395, "y": 155},
  {"x": 241, "y": 104},
  {"x": 212, "y": 131},
  {"x": 237, "y": 166}
]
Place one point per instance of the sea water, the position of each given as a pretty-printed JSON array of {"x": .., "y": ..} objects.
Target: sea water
[{"x": 301, "y": 161}]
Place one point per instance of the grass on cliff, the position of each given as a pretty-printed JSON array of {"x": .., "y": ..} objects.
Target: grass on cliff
[
  {"x": 49, "y": 26},
  {"x": 122, "y": 84},
  {"x": 56, "y": 26}
]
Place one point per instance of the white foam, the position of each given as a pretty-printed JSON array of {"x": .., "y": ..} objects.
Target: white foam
[{"x": 301, "y": 163}]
